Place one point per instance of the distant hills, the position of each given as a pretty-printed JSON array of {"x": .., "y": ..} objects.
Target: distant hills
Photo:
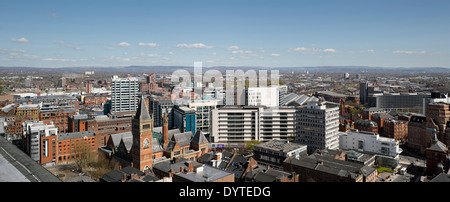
[{"x": 169, "y": 69}]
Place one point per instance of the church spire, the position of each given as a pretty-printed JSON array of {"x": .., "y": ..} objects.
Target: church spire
[{"x": 142, "y": 111}]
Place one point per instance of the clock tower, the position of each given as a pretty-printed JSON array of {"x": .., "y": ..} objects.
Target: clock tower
[{"x": 142, "y": 129}]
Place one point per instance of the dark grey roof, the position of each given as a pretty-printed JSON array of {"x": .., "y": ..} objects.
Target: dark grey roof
[
  {"x": 183, "y": 139},
  {"x": 74, "y": 135},
  {"x": 270, "y": 175},
  {"x": 142, "y": 111},
  {"x": 442, "y": 177},
  {"x": 181, "y": 164},
  {"x": 127, "y": 142},
  {"x": 382, "y": 116},
  {"x": 16, "y": 166},
  {"x": 118, "y": 136},
  {"x": 206, "y": 158},
  {"x": 118, "y": 175},
  {"x": 438, "y": 146},
  {"x": 199, "y": 138}
]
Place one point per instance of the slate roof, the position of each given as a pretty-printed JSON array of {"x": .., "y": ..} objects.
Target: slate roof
[
  {"x": 183, "y": 139},
  {"x": 142, "y": 111},
  {"x": 438, "y": 146},
  {"x": 442, "y": 177},
  {"x": 128, "y": 142},
  {"x": 199, "y": 138},
  {"x": 118, "y": 175}
]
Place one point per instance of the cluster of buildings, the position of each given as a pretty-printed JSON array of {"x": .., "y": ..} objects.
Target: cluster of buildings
[{"x": 302, "y": 137}]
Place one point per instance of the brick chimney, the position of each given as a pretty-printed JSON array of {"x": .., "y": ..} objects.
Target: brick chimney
[{"x": 165, "y": 130}]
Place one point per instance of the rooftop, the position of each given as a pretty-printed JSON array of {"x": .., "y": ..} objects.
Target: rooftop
[
  {"x": 279, "y": 145},
  {"x": 16, "y": 166},
  {"x": 204, "y": 174}
]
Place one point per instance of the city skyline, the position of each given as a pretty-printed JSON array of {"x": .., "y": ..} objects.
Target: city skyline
[{"x": 232, "y": 33}]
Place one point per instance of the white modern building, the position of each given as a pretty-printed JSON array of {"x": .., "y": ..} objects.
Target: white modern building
[
  {"x": 203, "y": 111},
  {"x": 369, "y": 142},
  {"x": 237, "y": 125},
  {"x": 263, "y": 96},
  {"x": 318, "y": 125},
  {"x": 124, "y": 94},
  {"x": 33, "y": 131}
]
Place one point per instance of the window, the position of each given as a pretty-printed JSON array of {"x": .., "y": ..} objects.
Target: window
[{"x": 146, "y": 126}]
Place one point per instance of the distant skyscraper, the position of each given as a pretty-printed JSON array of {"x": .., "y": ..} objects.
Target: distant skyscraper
[
  {"x": 62, "y": 82},
  {"x": 363, "y": 92},
  {"x": 28, "y": 81},
  {"x": 124, "y": 94},
  {"x": 346, "y": 75}
]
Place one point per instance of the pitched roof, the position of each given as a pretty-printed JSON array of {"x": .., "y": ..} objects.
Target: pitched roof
[
  {"x": 438, "y": 146},
  {"x": 142, "y": 111},
  {"x": 199, "y": 138}
]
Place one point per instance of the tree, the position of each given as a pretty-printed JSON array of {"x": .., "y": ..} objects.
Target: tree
[{"x": 251, "y": 144}]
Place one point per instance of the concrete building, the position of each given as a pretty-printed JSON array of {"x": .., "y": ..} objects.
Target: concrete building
[
  {"x": 184, "y": 119},
  {"x": 363, "y": 92},
  {"x": 318, "y": 125},
  {"x": 163, "y": 107},
  {"x": 203, "y": 110},
  {"x": 237, "y": 125},
  {"x": 369, "y": 142},
  {"x": 273, "y": 153},
  {"x": 263, "y": 96},
  {"x": 399, "y": 101},
  {"x": 124, "y": 94},
  {"x": 34, "y": 132}
]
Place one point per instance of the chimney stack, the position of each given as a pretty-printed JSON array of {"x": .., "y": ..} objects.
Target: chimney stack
[{"x": 165, "y": 130}]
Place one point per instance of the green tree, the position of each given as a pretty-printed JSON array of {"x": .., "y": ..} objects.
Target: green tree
[{"x": 250, "y": 145}]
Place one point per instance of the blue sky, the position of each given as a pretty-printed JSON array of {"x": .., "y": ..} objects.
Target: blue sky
[{"x": 62, "y": 33}]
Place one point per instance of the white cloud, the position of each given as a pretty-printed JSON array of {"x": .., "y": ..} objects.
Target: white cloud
[
  {"x": 6, "y": 50},
  {"x": 149, "y": 55},
  {"x": 241, "y": 51},
  {"x": 313, "y": 50},
  {"x": 329, "y": 50},
  {"x": 274, "y": 54},
  {"x": 122, "y": 44},
  {"x": 409, "y": 52},
  {"x": 20, "y": 40},
  {"x": 59, "y": 60},
  {"x": 195, "y": 45},
  {"x": 148, "y": 44},
  {"x": 171, "y": 53},
  {"x": 370, "y": 51},
  {"x": 233, "y": 48},
  {"x": 69, "y": 45}
]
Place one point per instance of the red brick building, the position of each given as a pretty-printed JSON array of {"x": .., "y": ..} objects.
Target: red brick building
[
  {"x": 420, "y": 133},
  {"x": 104, "y": 126},
  {"x": 60, "y": 119},
  {"x": 95, "y": 100},
  {"x": 379, "y": 118},
  {"x": 396, "y": 129},
  {"x": 366, "y": 125},
  {"x": 436, "y": 156},
  {"x": 67, "y": 147}
]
